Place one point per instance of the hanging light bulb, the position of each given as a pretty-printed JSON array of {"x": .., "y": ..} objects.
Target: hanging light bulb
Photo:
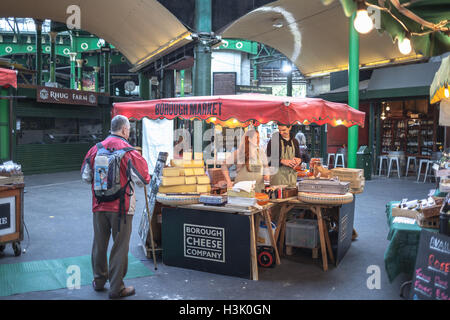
[
  {"x": 383, "y": 116},
  {"x": 363, "y": 23},
  {"x": 405, "y": 45},
  {"x": 388, "y": 108},
  {"x": 446, "y": 93}
]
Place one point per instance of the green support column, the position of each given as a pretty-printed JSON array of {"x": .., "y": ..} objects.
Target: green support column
[
  {"x": 38, "y": 24},
  {"x": 4, "y": 126},
  {"x": 144, "y": 87},
  {"x": 182, "y": 83},
  {"x": 255, "y": 72},
  {"x": 53, "y": 35},
  {"x": 202, "y": 65},
  {"x": 106, "y": 66},
  {"x": 353, "y": 91}
]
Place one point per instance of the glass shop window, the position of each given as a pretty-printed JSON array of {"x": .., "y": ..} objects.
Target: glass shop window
[{"x": 35, "y": 130}]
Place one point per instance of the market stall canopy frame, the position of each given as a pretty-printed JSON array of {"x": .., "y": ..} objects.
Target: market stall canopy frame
[
  {"x": 142, "y": 30},
  {"x": 243, "y": 110}
]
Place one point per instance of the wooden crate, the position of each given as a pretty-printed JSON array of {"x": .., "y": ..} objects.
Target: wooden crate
[
  {"x": 354, "y": 176},
  {"x": 432, "y": 223}
]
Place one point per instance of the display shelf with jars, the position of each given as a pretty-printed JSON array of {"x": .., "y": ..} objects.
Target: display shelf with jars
[{"x": 402, "y": 129}]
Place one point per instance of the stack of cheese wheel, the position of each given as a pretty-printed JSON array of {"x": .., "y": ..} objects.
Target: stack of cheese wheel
[{"x": 185, "y": 176}]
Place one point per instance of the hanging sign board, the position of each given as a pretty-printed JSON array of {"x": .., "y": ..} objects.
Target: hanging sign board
[
  {"x": 253, "y": 89},
  {"x": 432, "y": 271},
  {"x": 65, "y": 96}
]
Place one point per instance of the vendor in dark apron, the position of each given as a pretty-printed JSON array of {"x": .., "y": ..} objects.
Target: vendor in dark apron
[
  {"x": 289, "y": 156},
  {"x": 250, "y": 160},
  {"x": 284, "y": 154}
]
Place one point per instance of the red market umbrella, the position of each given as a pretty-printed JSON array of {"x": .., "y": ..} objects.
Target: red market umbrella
[
  {"x": 242, "y": 110},
  {"x": 8, "y": 78}
]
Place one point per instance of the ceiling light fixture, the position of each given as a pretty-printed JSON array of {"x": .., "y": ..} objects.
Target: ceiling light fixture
[
  {"x": 405, "y": 44},
  {"x": 363, "y": 23}
]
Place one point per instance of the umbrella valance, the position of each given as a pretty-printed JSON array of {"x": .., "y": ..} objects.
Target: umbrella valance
[
  {"x": 8, "y": 78},
  {"x": 440, "y": 86},
  {"x": 242, "y": 110}
]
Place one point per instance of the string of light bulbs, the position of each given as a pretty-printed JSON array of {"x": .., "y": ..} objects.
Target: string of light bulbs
[{"x": 364, "y": 24}]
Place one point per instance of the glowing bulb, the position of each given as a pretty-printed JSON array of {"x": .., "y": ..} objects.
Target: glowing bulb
[
  {"x": 287, "y": 68},
  {"x": 388, "y": 108},
  {"x": 338, "y": 122},
  {"x": 213, "y": 119},
  {"x": 447, "y": 94},
  {"x": 405, "y": 46},
  {"x": 363, "y": 23}
]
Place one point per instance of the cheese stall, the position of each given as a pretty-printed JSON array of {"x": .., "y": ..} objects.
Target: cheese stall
[{"x": 212, "y": 226}]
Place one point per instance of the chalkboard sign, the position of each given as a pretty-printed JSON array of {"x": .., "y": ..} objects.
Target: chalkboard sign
[
  {"x": 144, "y": 226},
  {"x": 345, "y": 229},
  {"x": 432, "y": 270}
]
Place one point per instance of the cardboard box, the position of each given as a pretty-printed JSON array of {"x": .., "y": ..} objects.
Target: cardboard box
[{"x": 397, "y": 212}]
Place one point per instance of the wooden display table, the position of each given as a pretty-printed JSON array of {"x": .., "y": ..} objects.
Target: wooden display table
[{"x": 345, "y": 217}]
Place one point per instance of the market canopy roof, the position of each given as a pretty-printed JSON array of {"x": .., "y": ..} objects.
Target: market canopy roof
[
  {"x": 242, "y": 110},
  {"x": 140, "y": 29},
  {"x": 8, "y": 78},
  {"x": 312, "y": 35},
  {"x": 441, "y": 82}
]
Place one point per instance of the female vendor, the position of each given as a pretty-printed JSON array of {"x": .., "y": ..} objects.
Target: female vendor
[
  {"x": 289, "y": 156},
  {"x": 250, "y": 160}
]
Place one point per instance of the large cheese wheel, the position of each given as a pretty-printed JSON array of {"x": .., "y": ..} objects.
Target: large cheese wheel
[
  {"x": 177, "y": 200},
  {"x": 325, "y": 198}
]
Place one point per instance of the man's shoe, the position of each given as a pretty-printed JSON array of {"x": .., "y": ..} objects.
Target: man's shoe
[
  {"x": 97, "y": 288},
  {"x": 125, "y": 292}
]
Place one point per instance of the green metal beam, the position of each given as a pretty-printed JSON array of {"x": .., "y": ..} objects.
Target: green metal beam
[
  {"x": 144, "y": 86},
  {"x": 353, "y": 91}
]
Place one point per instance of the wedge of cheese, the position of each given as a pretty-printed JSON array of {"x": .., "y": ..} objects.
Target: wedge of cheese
[
  {"x": 181, "y": 163},
  {"x": 172, "y": 181},
  {"x": 203, "y": 180},
  {"x": 178, "y": 189},
  {"x": 189, "y": 171},
  {"x": 190, "y": 180},
  {"x": 203, "y": 188},
  {"x": 199, "y": 171},
  {"x": 172, "y": 172}
]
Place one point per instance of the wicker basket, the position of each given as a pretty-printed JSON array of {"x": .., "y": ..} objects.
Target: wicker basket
[
  {"x": 325, "y": 198},
  {"x": 177, "y": 200}
]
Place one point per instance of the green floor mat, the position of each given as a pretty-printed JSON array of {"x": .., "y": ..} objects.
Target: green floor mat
[{"x": 55, "y": 274}]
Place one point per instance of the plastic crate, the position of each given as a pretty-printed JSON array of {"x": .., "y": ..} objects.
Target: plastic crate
[{"x": 302, "y": 233}]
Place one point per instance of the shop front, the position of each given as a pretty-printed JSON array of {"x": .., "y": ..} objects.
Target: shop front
[{"x": 54, "y": 128}]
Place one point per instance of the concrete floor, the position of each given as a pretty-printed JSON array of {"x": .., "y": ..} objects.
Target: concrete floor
[{"x": 58, "y": 218}]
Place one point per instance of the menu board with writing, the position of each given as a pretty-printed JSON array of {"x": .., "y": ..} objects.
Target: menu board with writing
[
  {"x": 432, "y": 270},
  {"x": 224, "y": 83}
]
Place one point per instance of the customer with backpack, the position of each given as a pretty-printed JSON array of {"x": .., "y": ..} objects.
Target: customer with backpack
[{"x": 113, "y": 167}]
